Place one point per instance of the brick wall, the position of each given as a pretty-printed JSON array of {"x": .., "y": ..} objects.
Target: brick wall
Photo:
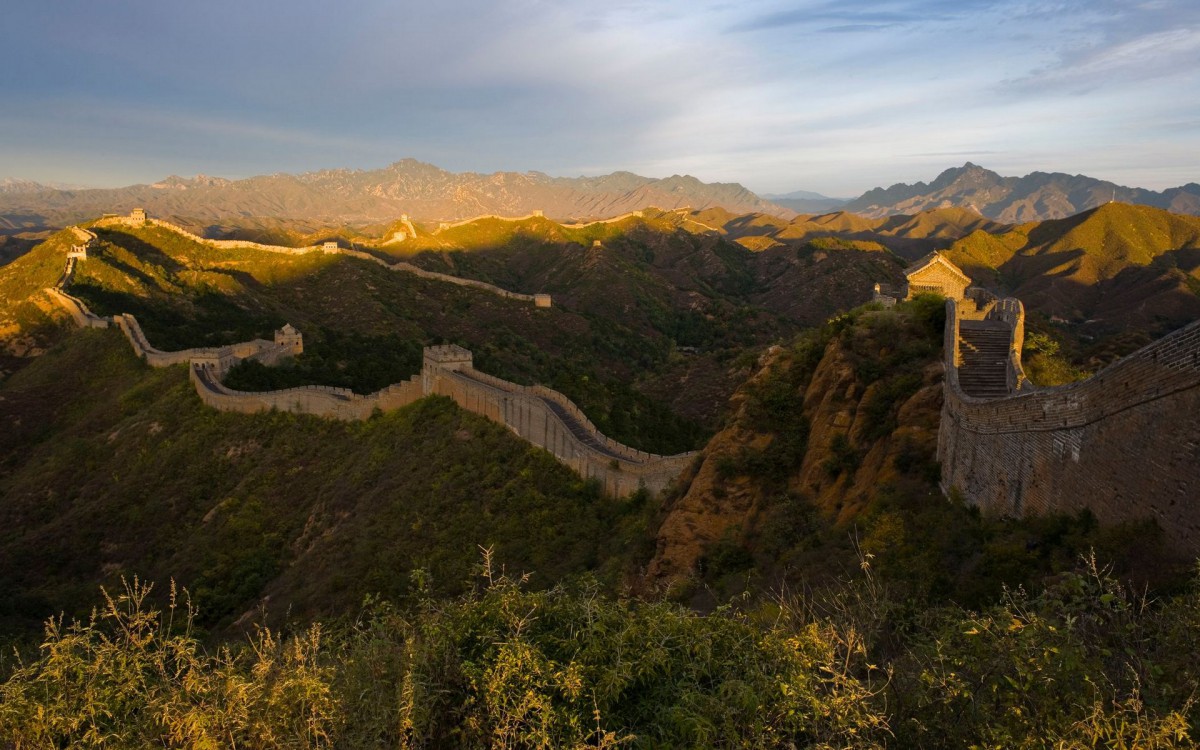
[
  {"x": 530, "y": 412},
  {"x": 1124, "y": 443}
]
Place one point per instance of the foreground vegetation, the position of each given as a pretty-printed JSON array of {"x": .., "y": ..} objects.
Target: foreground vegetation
[
  {"x": 1082, "y": 665},
  {"x": 109, "y": 467}
]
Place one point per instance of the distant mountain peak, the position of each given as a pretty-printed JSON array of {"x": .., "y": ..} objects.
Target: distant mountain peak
[{"x": 1012, "y": 200}]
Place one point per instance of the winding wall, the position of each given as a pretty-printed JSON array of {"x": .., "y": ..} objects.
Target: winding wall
[
  {"x": 540, "y": 415},
  {"x": 1124, "y": 443},
  {"x": 548, "y": 419}
]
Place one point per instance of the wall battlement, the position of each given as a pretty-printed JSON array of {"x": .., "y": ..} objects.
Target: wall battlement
[
  {"x": 540, "y": 415},
  {"x": 1124, "y": 443}
]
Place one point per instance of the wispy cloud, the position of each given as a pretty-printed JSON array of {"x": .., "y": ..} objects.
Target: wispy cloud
[{"x": 835, "y": 96}]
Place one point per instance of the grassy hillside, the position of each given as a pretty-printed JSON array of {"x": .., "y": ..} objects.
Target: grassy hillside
[
  {"x": 1117, "y": 268},
  {"x": 645, "y": 333},
  {"x": 364, "y": 327},
  {"x": 844, "y": 559},
  {"x": 111, "y": 469},
  {"x": 29, "y": 322}
]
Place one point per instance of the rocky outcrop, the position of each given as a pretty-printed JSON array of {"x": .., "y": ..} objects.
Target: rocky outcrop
[
  {"x": 713, "y": 502},
  {"x": 841, "y": 432},
  {"x": 844, "y": 462}
]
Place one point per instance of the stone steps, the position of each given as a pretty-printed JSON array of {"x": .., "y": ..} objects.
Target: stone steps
[{"x": 984, "y": 369}]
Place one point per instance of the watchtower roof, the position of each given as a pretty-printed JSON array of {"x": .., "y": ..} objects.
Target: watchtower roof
[{"x": 935, "y": 258}]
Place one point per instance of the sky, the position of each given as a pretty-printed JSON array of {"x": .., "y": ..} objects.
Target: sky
[{"x": 834, "y": 97}]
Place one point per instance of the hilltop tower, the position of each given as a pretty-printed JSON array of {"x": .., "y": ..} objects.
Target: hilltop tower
[
  {"x": 290, "y": 338},
  {"x": 934, "y": 273}
]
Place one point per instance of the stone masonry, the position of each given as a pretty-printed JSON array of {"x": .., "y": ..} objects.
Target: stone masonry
[{"x": 1124, "y": 444}]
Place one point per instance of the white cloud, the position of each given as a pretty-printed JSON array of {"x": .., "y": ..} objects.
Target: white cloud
[{"x": 830, "y": 96}]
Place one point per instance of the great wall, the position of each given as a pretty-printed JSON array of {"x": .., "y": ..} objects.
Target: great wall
[
  {"x": 330, "y": 248},
  {"x": 1124, "y": 444},
  {"x": 542, "y": 416}
]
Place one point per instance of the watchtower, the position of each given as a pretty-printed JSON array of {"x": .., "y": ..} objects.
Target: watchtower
[
  {"x": 137, "y": 216},
  {"x": 934, "y": 273},
  {"x": 290, "y": 338}
]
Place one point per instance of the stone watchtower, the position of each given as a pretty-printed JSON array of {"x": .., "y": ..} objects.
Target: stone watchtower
[
  {"x": 934, "y": 273},
  {"x": 137, "y": 216},
  {"x": 289, "y": 338},
  {"x": 444, "y": 358}
]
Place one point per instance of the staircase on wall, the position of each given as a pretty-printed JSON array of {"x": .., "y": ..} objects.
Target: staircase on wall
[{"x": 984, "y": 346}]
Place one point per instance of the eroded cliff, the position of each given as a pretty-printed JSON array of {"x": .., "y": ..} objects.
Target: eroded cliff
[{"x": 824, "y": 425}]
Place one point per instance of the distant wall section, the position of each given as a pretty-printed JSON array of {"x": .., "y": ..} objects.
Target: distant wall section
[
  {"x": 329, "y": 248},
  {"x": 550, "y": 420}
]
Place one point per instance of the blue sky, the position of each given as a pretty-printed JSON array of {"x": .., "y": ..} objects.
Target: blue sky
[{"x": 836, "y": 97}]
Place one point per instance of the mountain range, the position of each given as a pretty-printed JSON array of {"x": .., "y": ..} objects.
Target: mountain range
[
  {"x": 410, "y": 187},
  {"x": 1035, "y": 197},
  {"x": 426, "y": 192}
]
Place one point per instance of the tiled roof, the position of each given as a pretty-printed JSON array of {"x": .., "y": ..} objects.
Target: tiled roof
[{"x": 929, "y": 260}]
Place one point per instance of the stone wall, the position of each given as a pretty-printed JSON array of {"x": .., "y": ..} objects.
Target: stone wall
[
  {"x": 531, "y": 413},
  {"x": 540, "y": 415},
  {"x": 321, "y": 401},
  {"x": 217, "y": 359},
  {"x": 613, "y": 220},
  {"x": 483, "y": 217},
  {"x": 405, "y": 267},
  {"x": 1124, "y": 443},
  {"x": 79, "y": 312},
  {"x": 118, "y": 221}
]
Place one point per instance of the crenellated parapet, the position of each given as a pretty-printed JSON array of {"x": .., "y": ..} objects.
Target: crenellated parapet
[
  {"x": 1124, "y": 444},
  {"x": 216, "y": 359},
  {"x": 551, "y": 421}
]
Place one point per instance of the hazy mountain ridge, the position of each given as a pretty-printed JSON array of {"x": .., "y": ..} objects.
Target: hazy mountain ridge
[
  {"x": 420, "y": 190},
  {"x": 427, "y": 192},
  {"x": 806, "y": 201},
  {"x": 1037, "y": 196}
]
